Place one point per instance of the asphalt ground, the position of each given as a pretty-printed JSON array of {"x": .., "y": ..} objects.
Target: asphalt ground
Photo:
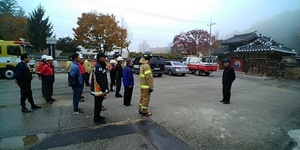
[{"x": 187, "y": 114}]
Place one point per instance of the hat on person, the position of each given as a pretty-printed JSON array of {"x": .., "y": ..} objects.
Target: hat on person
[
  {"x": 44, "y": 57},
  {"x": 227, "y": 61},
  {"x": 112, "y": 61},
  {"x": 119, "y": 58},
  {"x": 49, "y": 58},
  {"x": 100, "y": 55}
]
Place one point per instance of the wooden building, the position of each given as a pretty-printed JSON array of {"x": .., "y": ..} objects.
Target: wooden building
[{"x": 254, "y": 54}]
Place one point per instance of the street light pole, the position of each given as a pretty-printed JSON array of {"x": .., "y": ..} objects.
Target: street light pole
[{"x": 210, "y": 24}]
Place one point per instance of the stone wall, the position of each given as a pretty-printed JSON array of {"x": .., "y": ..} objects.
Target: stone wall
[{"x": 292, "y": 72}]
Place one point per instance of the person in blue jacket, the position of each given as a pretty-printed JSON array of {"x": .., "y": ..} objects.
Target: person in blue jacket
[
  {"x": 128, "y": 82},
  {"x": 76, "y": 82}
]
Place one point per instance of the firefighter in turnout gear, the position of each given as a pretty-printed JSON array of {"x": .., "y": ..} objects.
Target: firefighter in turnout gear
[{"x": 146, "y": 84}]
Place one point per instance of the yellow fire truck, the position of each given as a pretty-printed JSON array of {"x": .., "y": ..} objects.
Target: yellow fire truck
[{"x": 10, "y": 52}]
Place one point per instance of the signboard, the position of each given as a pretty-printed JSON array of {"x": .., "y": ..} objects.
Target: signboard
[{"x": 50, "y": 40}]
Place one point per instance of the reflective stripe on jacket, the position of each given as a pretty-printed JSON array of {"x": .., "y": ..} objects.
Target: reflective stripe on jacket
[
  {"x": 100, "y": 77},
  {"x": 146, "y": 77}
]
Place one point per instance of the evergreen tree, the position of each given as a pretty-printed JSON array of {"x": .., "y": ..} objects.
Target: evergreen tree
[
  {"x": 8, "y": 6},
  {"x": 39, "y": 29}
]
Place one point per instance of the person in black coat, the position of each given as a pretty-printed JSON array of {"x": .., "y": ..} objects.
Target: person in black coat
[
  {"x": 119, "y": 74},
  {"x": 99, "y": 86},
  {"x": 227, "y": 80},
  {"x": 23, "y": 78}
]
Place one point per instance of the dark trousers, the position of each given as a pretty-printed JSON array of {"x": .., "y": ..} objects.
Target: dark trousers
[
  {"x": 127, "y": 95},
  {"x": 226, "y": 92},
  {"x": 68, "y": 76},
  {"x": 87, "y": 78},
  {"x": 26, "y": 93},
  {"x": 43, "y": 88},
  {"x": 97, "y": 107},
  {"x": 76, "y": 97},
  {"x": 112, "y": 82},
  {"x": 118, "y": 88},
  {"x": 48, "y": 91}
]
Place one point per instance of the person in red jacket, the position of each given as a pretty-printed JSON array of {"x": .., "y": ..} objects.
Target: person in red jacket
[
  {"x": 82, "y": 71},
  {"x": 47, "y": 71},
  {"x": 41, "y": 64}
]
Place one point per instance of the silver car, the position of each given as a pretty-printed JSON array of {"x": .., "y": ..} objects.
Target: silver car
[{"x": 176, "y": 68}]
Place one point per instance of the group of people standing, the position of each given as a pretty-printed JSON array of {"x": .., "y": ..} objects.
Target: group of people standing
[
  {"x": 100, "y": 87},
  {"x": 45, "y": 73},
  {"x": 79, "y": 74}
]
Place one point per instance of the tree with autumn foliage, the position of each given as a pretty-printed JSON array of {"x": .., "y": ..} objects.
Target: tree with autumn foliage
[
  {"x": 192, "y": 42},
  {"x": 100, "y": 32},
  {"x": 13, "y": 23}
]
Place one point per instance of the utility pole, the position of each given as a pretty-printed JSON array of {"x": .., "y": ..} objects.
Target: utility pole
[{"x": 210, "y": 24}]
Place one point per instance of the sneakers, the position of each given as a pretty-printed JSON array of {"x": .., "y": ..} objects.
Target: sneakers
[
  {"x": 81, "y": 97},
  {"x": 35, "y": 107},
  {"x": 79, "y": 112},
  {"x": 82, "y": 100},
  {"x": 25, "y": 110}
]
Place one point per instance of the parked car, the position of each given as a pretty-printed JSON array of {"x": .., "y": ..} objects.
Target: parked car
[
  {"x": 157, "y": 64},
  {"x": 176, "y": 68}
]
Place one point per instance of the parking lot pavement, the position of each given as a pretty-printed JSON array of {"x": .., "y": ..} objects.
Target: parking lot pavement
[{"x": 185, "y": 109}]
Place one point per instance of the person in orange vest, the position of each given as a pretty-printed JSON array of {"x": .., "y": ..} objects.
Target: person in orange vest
[
  {"x": 47, "y": 71},
  {"x": 146, "y": 84},
  {"x": 99, "y": 86}
]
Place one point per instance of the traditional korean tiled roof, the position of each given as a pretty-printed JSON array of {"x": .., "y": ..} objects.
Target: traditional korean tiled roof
[
  {"x": 222, "y": 51},
  {"x": 265, "y": 44},
  {"x": 262, "y": 48},
  {"x": 241, "y": 39}
]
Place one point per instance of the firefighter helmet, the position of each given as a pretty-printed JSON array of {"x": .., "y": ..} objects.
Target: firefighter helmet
[
  {"x": 49, "y": 58},
  {"x": 147, "y": 55},
  {"x": 119, "y": 58},
  {"x": 44, "y": 56},
  {"x": 112, "y": 61}
]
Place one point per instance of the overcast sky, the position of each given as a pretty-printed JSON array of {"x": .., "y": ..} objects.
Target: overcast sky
[{"x": 158, "y": 21}]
